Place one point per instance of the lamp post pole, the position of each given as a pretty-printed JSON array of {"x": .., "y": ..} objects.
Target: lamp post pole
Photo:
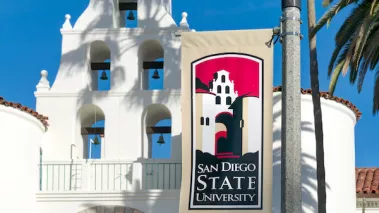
[{"x": 291, "y": 108}]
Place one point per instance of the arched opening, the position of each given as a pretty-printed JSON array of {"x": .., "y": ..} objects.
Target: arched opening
[
  {"x": 151, "y": 59},
  {"x": 128, "y": 14},
  {"x": 218, "y": 100},
  {"x": 157, "y": 129},
  {"x": 223, "y": 78},
  {"x": 92, "y": 127},
  {"x": 201, "y": 121},
  {"x": 228, "y": 143},
  {"x": 100, "y": 61},
  {"x": 228, "y": 100},
  {"x": 227, "y": 90},
  {"x": 218, "y": 89}
]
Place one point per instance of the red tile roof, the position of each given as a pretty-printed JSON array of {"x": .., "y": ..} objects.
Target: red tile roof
[
  {"x": 40, "y": 117},
  {"x": 327, "y": 96},
  {"x": 367, "y": 182}
]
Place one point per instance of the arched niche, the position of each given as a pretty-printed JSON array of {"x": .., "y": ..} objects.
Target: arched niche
[
  {"x": 128, "y": 11},
  {"x": 156, "y": 123},
  {"x": 91, "y": 124},
  {"x": 100, "y": 65},
  {"x": 151, "y": 63}
]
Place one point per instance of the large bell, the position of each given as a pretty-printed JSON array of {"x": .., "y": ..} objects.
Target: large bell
[
  {"x": 96, "y": 140},
  {"x": 156, "y": 75},
  {"x": 131, "y": 16},
  {"x": 104, "y": 76},
  {"x": 161, "y": 140}
]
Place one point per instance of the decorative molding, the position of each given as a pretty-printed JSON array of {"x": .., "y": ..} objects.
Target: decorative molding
[
  {"x": 124, "y": 31},
  {"x": 102, "y": 161},
  {"x": 151, "y": 93},
  {"x": 93, "y": 196},
  {"x": 43, "y": 84},
  {"x": 370, "y": 203},
  {"x": 67, "y": 24}
]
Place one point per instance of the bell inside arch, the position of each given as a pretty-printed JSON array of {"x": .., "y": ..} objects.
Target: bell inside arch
[
  {"x": 104, "y": 76},
  {"x": 156, "y": 75},
  {"x": 131, "y": 16},
  {"x": 161, "y": 140},
  {"x": 96, "y": 140}
]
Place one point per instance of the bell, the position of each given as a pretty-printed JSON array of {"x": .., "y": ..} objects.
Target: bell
[
  {"x": 96, "y": 140},
  {"x": 131, "y": 16},
  {"x": 104, "y": 76},
  {"x": 161, "y": 140},
  {"x": 156, "y": 75}
]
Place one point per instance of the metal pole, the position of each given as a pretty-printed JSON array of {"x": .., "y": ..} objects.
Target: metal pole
[{"x": 291, "y": 108}]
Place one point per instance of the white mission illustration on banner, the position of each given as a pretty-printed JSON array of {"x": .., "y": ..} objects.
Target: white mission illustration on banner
[{"x": 227, "y": 132}]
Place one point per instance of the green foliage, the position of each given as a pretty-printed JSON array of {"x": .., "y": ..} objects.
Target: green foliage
[{"x": 357, "y": 43}]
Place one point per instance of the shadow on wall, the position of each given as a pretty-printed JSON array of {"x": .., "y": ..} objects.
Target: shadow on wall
[
  {"x": 125, "y": 205},
  {"x": 111, "y": 209},
  {"x": 308, "y": 171},
  {"x": 119, "y": 43},
  {"x": 124, "y": 208}
]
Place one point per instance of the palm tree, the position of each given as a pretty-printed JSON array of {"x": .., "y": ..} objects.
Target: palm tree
[
  {"x": 357, "y": 44},
  {"x": 321, "y": 190}
]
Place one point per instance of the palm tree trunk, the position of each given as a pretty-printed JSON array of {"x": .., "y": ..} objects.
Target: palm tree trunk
[{"x": 321, "y": 190}]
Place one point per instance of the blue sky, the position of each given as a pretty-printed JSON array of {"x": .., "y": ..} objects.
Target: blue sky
[{"x": 31, "y": 41}]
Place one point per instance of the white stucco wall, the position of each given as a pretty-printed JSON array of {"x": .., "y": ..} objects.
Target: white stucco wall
[
  {"x": 106, "y": 14},
  {"x": 126, "y": 66},
  {"x": 208, "y": 131},
  {"x": 125, "y": 103},
  {"x": 338, "y": 126},
  {"x": 125, "y": 136},
  {"x": 146, "y": 202},
  {"x": 338, "y": 121},
  {"x": 19, "y": 156}
]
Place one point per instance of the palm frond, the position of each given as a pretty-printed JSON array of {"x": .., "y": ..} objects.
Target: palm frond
[
  {"x": 368, "y": 48},
  {"x": 373, "y": 4},
  {"x": 337, "y": 70},
  {"x": 329, "y": 15},
  {"x": 353, "y": 72},
  {"x": 375, "y": 106},
  {"x": 349, "y": 55},
  {"x": 369, "y": 55},
  {"x": 335, "y": 76},
  {"x": 345, "y": 33},
  {"x": 326, "y": 3},
  {"x": 375, "y": 60},
  {"x": 351, "y": 24},
  {"x": 369, "y": 24}
]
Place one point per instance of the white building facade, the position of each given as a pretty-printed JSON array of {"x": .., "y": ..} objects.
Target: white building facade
[
  {"x": 64, "y": 177},
  {"x": 223, "y": 95}
]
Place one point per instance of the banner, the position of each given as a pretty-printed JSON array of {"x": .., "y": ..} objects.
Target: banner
[{"x": 227, "y": 121}]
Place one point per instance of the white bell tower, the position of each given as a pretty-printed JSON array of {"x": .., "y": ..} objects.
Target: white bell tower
[{"x": 119, "y": 76}]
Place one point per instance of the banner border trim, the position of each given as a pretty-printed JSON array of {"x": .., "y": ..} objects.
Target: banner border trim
[{"x": 262, "y": 142}]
